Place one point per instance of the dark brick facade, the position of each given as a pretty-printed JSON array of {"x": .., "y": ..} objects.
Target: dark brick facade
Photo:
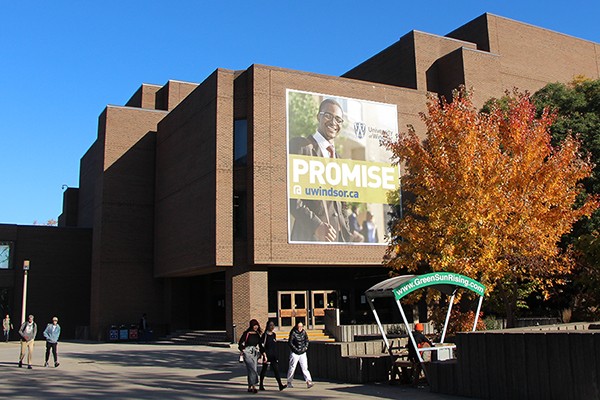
[{"x": 58, "y": 281}]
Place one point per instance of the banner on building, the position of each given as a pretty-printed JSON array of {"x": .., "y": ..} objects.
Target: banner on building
[{"x": 342, "y": 185}]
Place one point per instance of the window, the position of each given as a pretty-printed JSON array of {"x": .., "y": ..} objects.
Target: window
[
  {"x": 5, "y": 255},
  {"x": 240, "y": 141}
]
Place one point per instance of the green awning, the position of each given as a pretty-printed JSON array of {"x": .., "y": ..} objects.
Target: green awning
[{"x": 445, "y": 282}]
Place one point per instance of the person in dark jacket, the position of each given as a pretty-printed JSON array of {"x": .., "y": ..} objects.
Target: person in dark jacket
[
  {"x": 144, "y": 332},
  {"x": 269, "y": 342},
  {"x": 298, "y": 342},
  {"x": 251, "y": 348},
  {"x": 420, "y": 339}
]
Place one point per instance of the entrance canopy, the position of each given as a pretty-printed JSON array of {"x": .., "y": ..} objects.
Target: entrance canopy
[
  {"x": 445, "y": 282},
  {"x": 400, "y": 286}
]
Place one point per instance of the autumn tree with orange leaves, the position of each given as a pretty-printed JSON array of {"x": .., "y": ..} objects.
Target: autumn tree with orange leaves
[{"x": 490, "y": 197}]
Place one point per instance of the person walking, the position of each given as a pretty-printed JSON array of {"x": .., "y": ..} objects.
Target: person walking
[
  {"x": 251, "y": 348},
  {"x": 7, "y": 326},
  {"x": 269, "y": 342},
  {"x": 28, "y": 332},
  {"x": 298, "y": 342},
  {"x": 144, "y": 331},
  {"x": 52, "y": 333}
]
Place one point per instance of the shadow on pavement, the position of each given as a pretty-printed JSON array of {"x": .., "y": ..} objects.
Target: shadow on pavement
[
  {"x": 187, "y": 359},
  {"x": 107, "y": 371}
]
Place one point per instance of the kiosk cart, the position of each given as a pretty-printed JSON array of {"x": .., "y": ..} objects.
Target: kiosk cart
[{"x": 399, "y": 286}]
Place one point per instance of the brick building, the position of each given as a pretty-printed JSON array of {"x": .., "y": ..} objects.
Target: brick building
[{"x": 184, "y": 195}]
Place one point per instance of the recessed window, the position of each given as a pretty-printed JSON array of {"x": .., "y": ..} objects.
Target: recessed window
[
  {"x": 6, "y": 255},
  {"x": 240, "y": 141}
]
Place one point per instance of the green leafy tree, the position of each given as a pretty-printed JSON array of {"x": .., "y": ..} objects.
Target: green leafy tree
[
  {"x": 302, "y": 114},
  {"x": 585, "y": 302},
  {"x": 492, "y": 196},
  {"x": 577, "y": 108}
]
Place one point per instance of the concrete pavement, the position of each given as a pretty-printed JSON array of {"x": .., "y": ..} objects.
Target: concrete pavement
[{"x": 147, "y": 371}]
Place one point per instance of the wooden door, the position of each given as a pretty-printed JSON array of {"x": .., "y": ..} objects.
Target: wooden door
[
  {"x": 292, "y": 308},
  {"x": 320, "y": 300}
]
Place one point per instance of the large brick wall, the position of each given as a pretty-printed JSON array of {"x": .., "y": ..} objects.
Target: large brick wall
[
  {"x": 531, "y": 56},
  {"x": 247, "y": 297},
  {"x": 172, "y": 93},
  {"x": 490, "y": 54},
  {"x": 269, "y": 210},
  {"x": 122, "y": 268},
  {"x": 144, "y": 97},
  {"x": 121, "y": 195},
  {"x": 428, "y": 49},
  {"x": 59, "y": 276},
  {"x": 194, "y": 180},
  {"x": 90, "y": 175},
  {"x": 396, "y": 65}
]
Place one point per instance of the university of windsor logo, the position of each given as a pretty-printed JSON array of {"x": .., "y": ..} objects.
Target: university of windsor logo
[{"x": 360, "y": 128}]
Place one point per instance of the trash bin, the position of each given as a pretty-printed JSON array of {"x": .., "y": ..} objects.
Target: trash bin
[
  {"x": 113, "y": 333},
  {"x": 123, "y": 333},
  {"x": 133, "y": 332}
]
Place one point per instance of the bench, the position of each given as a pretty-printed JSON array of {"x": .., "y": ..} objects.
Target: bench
[{"x": 404, "y": 369}]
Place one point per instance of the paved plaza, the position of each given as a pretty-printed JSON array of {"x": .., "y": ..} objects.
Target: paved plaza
[{"x": 147, "y": 371}]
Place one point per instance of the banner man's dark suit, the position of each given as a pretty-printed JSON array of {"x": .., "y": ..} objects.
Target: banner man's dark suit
[{"x": 310, "y": 214}]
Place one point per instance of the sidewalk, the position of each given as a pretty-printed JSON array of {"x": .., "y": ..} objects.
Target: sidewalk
[{"x": 146, "y": 371}]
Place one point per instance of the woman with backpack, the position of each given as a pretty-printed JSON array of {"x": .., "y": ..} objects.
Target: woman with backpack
[{"x": 269, "y": 342}]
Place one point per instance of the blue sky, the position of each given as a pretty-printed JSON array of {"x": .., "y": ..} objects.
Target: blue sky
[{"x": 62, "y": 62}]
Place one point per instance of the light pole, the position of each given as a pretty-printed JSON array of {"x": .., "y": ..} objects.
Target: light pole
[{"x": 25, "y": 271}]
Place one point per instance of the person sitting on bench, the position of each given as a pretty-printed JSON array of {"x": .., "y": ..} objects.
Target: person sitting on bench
[{"x": 420, "y": 339}]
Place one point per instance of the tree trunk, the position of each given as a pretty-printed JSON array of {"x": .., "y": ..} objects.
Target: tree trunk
[{"x": 510, "y": 306}]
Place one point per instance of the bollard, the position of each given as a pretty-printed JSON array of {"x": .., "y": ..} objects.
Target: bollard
[{"x": 234, "y": 335}]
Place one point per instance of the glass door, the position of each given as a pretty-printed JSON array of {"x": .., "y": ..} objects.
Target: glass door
[
  {"x": 320, "y": 300},
  {"x": 292, "y": 308}
]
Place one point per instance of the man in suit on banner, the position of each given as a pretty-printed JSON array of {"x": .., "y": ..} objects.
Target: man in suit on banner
[{"x": 320, "y": 220}]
